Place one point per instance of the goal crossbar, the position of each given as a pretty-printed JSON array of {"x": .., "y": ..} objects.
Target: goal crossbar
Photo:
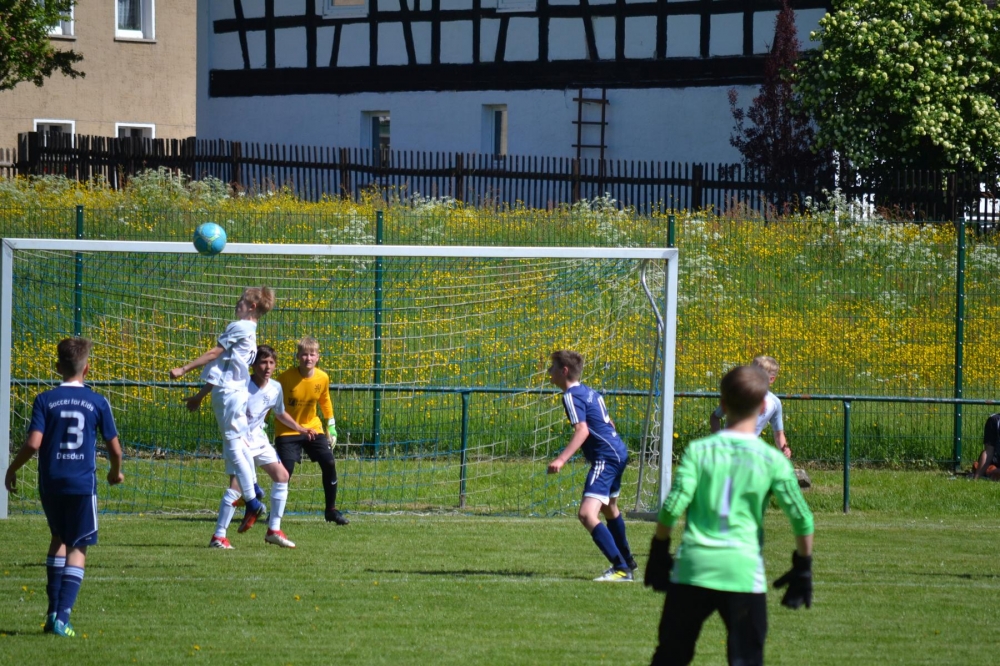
[{"x": 470, "y": 251}]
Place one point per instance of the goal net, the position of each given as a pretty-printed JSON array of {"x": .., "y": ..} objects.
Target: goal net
[{"x": 437, "y": 359}]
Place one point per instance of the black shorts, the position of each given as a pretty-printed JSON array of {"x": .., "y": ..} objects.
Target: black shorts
[
  {"x": 290, "y": 448},
  {"x": 687, "y": 607},
  {"x": 991, "y": 437}
]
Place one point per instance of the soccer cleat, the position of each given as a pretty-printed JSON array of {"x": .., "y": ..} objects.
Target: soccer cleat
[
  {"x": 278, "y": 538},
  {"x": 250, "y": 518},
  {"x": 613, "y": 575},
  {"x": 335, "y": 516},
  {"x": 50, "y": 623},
  {"x": 632, "y": 564},
  {"x": 64, "y": 629},
  {"x": 220, "y": 542}
]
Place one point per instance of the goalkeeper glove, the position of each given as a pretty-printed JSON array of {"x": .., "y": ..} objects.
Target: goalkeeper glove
[
  {"x": 331, "y": 429},
  {"x": 658, "y": 565},
  {"x": 799, "y": 580}
]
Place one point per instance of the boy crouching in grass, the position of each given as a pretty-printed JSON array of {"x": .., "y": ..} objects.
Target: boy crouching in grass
[{"x": 63, "y": 431}]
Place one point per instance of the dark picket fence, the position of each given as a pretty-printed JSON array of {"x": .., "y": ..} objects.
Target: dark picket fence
[{"x": 313, "y": 172}]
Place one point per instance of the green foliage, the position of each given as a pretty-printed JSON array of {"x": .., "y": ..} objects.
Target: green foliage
[
  {"x": 907, "y": 83},
  {"x": 905, "y": 580},
  {"x": 26, "y": 52}
]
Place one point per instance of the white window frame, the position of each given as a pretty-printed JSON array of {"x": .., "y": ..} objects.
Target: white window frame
[
  {"x": 71, "y": 124},
  {"x": 511, "y": 6},
  {"x": 333, "y": 10},
  {"x": 63, "y": 28},
  {"x": 143, "y": 126},
  {"x": 489, "y": 142},
  {"x": 148, "y": 31}
]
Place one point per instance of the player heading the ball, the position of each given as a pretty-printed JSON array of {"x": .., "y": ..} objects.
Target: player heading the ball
[
  {"x": 722, "y": 486},
  {"x": 227, "y": 368},
  {"x": 265, "y": 396},
  {"x": 594, "y": 433},
  {"x": 63, "y": 430}
]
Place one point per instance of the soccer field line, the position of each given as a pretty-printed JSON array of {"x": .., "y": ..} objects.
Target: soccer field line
[{"x": 520, "y": 579}]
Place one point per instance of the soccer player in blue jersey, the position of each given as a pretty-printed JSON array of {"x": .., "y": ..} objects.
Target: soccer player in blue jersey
[
  {"x": 63, "y": 431},
  {"x": 594, "y": 433},
  {"x": 722, "y": 487},
  {"x": 227, "y": 369}
]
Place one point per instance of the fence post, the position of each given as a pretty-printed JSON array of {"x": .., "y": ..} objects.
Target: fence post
[
  {"x": 236, "y": 154},
  {"x": 27, "y": 154},
  {"x": 847, "y": 456},
  {"x": 959, "y": 339},
  {"x": 465, "y": 450},
  {"x": 78, "y": 286},
  {"x": 345, "y": 177},
  {"x": 697, "y": 174},
  {"x": 576, "y": 179},
  {"x": 671, "y": 229},
  {"x": 377, "y": 360},
  {"x": 459, "y": 175}
]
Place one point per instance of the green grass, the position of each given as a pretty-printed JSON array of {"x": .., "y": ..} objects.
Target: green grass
[{"x": 908, "y": 579}]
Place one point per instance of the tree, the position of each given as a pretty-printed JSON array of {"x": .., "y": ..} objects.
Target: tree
[
  {"x": 774, "y": 134},
  {"x": 26, "y": 52},
  {"x": 906, "y": 83}
]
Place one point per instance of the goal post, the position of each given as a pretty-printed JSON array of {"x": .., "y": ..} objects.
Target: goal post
[{"x": 436, "y": 357}]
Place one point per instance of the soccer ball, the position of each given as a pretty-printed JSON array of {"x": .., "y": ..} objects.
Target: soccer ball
[{"x": 209, "y": 239}]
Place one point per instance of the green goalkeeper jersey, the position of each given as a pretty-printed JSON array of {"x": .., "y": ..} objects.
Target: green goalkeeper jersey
[{"x": 723, "y": 482}]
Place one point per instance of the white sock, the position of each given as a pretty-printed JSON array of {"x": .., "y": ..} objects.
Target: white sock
[
  {"x": 279, "y": 495},
  {"x": 226, "y": 511}
]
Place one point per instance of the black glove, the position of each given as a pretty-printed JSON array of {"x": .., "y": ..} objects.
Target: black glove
[
  {"x": 658, "y": 565},
  {"x": 799, "y": 580}
]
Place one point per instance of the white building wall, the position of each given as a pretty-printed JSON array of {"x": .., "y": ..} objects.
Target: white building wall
[
  {"x": 677, "y": 124},
  {"x": 684, "y": 124}
]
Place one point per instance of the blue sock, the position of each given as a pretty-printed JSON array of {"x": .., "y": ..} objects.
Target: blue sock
[
  {"x": 259, "y": 491},
  {"x": 54, "y": 569},
  {"x": 254, "y": 505},
  {"x": 617, "y": 528},
  {"x": 602, "y": 537},
  {"x": 71, "y": 581}
]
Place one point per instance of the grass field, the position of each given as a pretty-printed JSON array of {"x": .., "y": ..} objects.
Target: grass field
[{"x": 908, "y": 577}]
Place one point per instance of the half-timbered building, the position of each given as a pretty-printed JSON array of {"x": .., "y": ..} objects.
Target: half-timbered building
[{"x": 619, "y": 79}]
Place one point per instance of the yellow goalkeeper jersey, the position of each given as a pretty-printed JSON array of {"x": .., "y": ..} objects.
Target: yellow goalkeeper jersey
[{"x": 302, "y": 394}]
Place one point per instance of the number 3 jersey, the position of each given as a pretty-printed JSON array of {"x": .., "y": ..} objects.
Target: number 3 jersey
[
  {"x": 584, "y": 404},
  {"x": 69, "y": 418}
]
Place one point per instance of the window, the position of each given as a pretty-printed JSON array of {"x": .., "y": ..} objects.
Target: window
[
  {"x": 134, "y": 19},
  {"x": 516, "y": 5},
  {"x": 345, "y": 8},
  {"x": 55, "y": 129},
  {"x": 64, "y": 27},
  {"x": 377, "y": 129},
  {"x": 495, "y": 129},
  {"x": 135, "y": 131}
]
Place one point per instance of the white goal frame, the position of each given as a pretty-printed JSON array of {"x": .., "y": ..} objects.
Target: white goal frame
[{"x": 667, "y": 324}]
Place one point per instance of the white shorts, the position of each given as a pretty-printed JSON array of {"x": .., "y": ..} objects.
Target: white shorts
[
  {"x": 230, "y": 407},
  {"x": 260, "y": 451}
]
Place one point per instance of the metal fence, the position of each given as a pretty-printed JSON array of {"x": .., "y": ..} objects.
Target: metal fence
[{"x": 895, "y": 318}]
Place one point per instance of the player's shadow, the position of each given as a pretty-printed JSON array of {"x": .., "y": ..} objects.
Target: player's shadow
[
  {"x": 962, "y": 576},
  {"x": 458, "y": 572},
  {"x": 15, "y": 632}
]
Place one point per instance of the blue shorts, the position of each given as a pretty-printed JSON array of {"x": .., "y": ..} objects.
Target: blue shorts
[
  {"x": 604, "y": 480},
  {"x": 72, "y": 518}
]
